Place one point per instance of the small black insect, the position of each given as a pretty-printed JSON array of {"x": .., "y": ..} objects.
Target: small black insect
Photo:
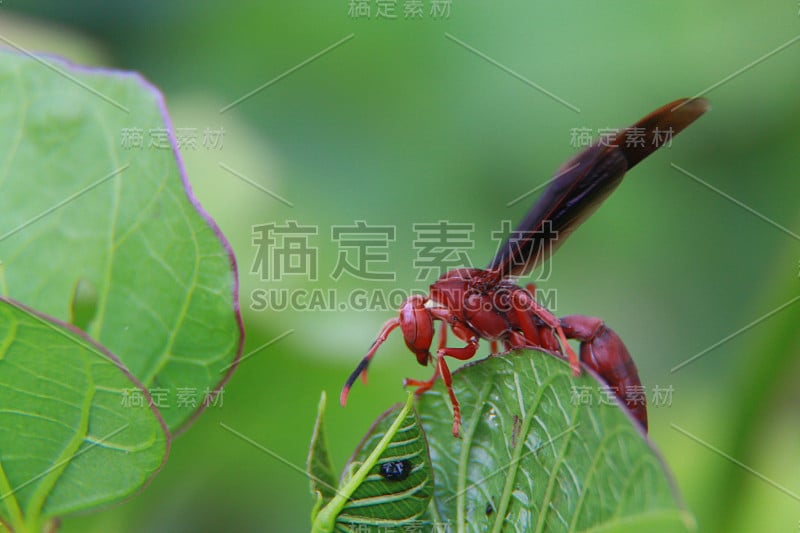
[
  {"x": 489, "y": 509},
  {"x": 396, "y": 470}
]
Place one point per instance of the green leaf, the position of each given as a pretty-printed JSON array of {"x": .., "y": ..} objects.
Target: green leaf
[
  {"x": 69, "y": 441},
  {"x": 319, "y": 465},
  {"x": 391, "y": 482},
  {"x": 533, "y": 459},
  {"x": 82, "y": 203}
]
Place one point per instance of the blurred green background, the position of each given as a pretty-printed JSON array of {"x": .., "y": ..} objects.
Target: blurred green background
[{"x": 402, "y": 123}]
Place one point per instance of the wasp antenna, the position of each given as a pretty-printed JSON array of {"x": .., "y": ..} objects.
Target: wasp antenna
[
  {"x": 367, "y": 358},
  {"x": 362, "y": 367}
]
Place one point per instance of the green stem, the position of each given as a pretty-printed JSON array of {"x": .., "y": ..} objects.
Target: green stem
[{"x": 16, "y": 520}]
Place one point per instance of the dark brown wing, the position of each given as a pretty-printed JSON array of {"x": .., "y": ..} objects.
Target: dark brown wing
[{"x": 583, "y": 182}]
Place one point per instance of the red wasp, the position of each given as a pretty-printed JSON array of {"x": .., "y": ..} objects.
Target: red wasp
[{"x": 485, "y": 304}]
